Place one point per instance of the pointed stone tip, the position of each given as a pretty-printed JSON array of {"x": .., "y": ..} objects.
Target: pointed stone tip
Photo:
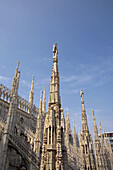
[
  {"x": 33, "y": 77},
  {"x": 44, "y": 89},
  {"x": 55, "y": 44},
  {"x": 67, "y": 111},
  {"x": 73, "y": 123},
  {"x": 100, "y": 124},
  {"x": 55, "y": 48},
  {"x": 81, "y": 93},
  {"x": 41, "y": 93},
  {"x": 93, "y": 113},
  {"x": 18, "y": 63}
]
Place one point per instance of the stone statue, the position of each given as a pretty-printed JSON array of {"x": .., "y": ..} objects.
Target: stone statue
[{"x": 55, "y": 51}]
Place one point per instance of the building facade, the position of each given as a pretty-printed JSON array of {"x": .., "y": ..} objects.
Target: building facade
[{"x": 32, "y": 138}]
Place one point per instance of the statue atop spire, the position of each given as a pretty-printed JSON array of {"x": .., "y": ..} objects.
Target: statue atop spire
[
  {"x": 55, "y": 51},
  {"x": 82, "y": 100},
  {"x": 54, "y": 96}
]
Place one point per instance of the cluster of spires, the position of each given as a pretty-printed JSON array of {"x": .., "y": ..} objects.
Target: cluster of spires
[
  {"x": 42, "y": 106},
  {"x": 54, "y": 99},
  {"x": 14, "y": 90}
]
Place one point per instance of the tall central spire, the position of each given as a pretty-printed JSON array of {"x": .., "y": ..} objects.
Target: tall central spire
[
  {"x": 84, "y": 117},
  {"x": 54, "y": 96},
  {"x": 54, "y": 153}
]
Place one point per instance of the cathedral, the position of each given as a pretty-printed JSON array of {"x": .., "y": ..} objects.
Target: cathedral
[{"x": 33, "y": 138}]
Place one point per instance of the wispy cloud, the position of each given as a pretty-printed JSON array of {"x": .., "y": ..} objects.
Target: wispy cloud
[
  {"x": 47, "y": 59},
  {"x": 97, "y": 75},
  {"x": 42, "y": 83},
  {"x": 69, "y": 79},
  {"x": 3, "y": 67},
  {"x": 76, "y": 91},
  {"x": 25, "y": 83},
  {"x": 2, "y": 78}
]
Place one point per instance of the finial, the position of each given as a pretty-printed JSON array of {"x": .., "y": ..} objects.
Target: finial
[
  {"x": 99, "y": 125},
  {"x": 44, "y": 103},
  {"x": 32, "y": 85},
  {"x": 82, "y": 94},
  {"x": 55, "y": 51},
  {"x": 33, "y": 77},
  {"x": 82, "y": 100},
  {"x": 67, "y": 114},
  {"x": 73, "y": 126},
  {"x": 67, "y": 111},
  {"x": 17, "y": 84},
  {"x": 41, "y": 95},
  {"x": 93, "y": 114},
  {"x": 100, "y": 128},
  {"x": 44, "y": 92},
  {"x": 31, "y": 92},
  {"x": 41, "y": 100},
  {"x": 17, "y": 69}
]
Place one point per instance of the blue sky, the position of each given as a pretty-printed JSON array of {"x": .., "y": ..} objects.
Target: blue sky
[{"x": 83, "y": 30}]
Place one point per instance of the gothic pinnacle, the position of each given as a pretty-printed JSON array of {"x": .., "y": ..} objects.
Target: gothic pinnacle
[
  {"x": 54, "y": 96},
  {"x": 84, "y": 116},
  {"x": 55, "y": 51},
  {"x": 67, "y": 122},
  {"x": 79, "y": 130},
  {"x": 17, "y": 69},
  {"x": 31, "y": 92},
  {"x": 73, "y": 126},
  {"x": 95, "y": 126},
  {"x": 74, "y": 134},
  {"x": 93, "y": 114},
  {"x": 102, "y": 141},
  {"x": 32, "y": 86},
  {"x": 82, "y": 100},
  {"x": 17, "y": 85},
  {"x": 13, "y": 87},
  {"x": 100, "y": 128},
  {"x": 44, "y": 102},
  {"x": 79, "y": 134},
  {"x": 40, "y": 108}
]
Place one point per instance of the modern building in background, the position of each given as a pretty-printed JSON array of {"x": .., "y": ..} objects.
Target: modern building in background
[{"x": 33, "y": 138}]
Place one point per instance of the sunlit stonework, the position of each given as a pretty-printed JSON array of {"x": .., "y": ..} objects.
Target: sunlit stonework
[{"x": 32, "y": 138}]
